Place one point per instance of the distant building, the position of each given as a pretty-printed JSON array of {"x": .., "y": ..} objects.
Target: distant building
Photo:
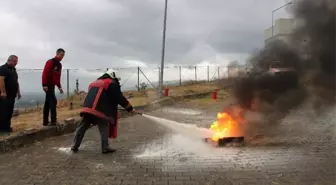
[{"x": 282, "y": 30}]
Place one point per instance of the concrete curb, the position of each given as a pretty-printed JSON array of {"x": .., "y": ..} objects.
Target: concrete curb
[{"x": 68, "y": 126}]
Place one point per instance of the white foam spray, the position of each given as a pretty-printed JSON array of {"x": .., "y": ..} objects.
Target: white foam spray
[
  {"x": 184, "y": 148},
  {"x": 188, "y": 130},
  {"x": 182, "y": 111},
  {"x": 63, "y": 149},
  {"x": 187, "y": 139}
]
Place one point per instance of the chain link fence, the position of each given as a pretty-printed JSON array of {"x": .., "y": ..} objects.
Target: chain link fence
[{"x": 132, "y": 79}]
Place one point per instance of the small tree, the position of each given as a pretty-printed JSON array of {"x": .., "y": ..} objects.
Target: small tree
[
  {"x": 76, "y": 90},
  {"x": 142, "y": 88},
  {"x": 77, "y": 85},
  {"x": 233, "y": 64}
]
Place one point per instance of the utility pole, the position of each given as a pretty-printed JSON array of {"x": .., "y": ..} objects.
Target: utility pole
[{"x": 163, "y": 50}]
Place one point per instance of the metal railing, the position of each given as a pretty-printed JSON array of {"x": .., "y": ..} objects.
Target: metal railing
[{"x": 132, "y": 79}]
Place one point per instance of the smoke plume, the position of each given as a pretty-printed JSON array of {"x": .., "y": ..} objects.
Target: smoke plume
[
  {"x": 318, "y": 33},
  {"x": 310, "y": 51}
]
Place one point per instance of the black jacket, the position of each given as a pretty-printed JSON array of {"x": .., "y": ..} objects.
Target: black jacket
[
  {"x": 11, "y": 80},
  {"x": 103, "y": 98}
]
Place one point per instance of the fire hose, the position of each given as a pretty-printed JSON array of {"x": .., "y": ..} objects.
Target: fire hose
[{"x": 125, "y": 110}]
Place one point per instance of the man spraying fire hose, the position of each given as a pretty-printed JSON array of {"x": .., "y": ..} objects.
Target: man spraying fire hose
[{"x": 100, "y": 108}]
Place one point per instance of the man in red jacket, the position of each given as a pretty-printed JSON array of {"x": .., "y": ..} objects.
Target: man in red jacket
[{"x": 51, "y": 77}]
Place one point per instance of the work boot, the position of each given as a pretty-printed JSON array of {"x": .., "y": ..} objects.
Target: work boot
[
  {"x": 74, "y": 150},
  {"x": 45, "y": 123},
  {"x": 105, "y": 147},
  {"x": 10, "y": 129},
  {"x": 108, "y": 150},
  {"x": 53, "y": 123},
  {"x": 7, "y": 130},
  {"x": 4, "y": 133}
]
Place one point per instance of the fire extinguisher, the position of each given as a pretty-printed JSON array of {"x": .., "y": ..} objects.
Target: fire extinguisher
[
  {"x": 113, "y": 128},
  {"x": 166, "y": 90},
  {"x": 214, "y": 94}
]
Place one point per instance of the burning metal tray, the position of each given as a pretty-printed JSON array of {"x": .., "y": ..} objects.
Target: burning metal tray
[{"x": 227, "y": 141}]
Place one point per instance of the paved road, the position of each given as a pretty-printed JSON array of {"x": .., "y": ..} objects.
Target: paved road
[{"x": 150, "y": 153}]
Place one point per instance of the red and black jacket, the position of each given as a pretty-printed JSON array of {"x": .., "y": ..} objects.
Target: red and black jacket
[
  {"x": 103, "y": 98},
  {"x": 51, "y": 75}
]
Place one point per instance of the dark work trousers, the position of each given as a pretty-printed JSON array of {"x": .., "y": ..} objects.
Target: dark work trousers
[
  {"x": 50, "y": 106},
  {"x": 84, "y": 125},
  {"x": 6, "y": 112}
]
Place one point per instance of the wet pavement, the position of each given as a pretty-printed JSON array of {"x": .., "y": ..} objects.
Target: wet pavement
[{"x": 151, "y": 153}]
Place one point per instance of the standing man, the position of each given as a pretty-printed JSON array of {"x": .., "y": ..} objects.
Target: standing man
[
  {"x": 100, "y": 108},
  {"x": 51, "y": 77},
  {"x": 9, "y": 90}
]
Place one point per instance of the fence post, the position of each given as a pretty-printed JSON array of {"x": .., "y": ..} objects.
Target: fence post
[
  {"x": 228, "y": 72},
  {"x": 208, "y": 74},
  {"x": 158, "y": 87},
  {"x": 180, "y": 75},
  {"x": 68, "y": 85},
  {"x": 195, "y": 74},
  {"x": 218, "y": 72},
  {"x": 138, "y": 79}
]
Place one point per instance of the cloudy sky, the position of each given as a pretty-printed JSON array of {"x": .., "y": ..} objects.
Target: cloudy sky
[{"x": 122, "y": 33}]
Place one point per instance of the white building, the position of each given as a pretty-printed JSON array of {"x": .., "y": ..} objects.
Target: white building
[{"x": 282, "y": 29}]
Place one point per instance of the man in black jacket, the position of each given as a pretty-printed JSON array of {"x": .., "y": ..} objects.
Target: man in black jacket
[
  {"x": 9, "y": 90},
  {"x": 100, "y": 108}
]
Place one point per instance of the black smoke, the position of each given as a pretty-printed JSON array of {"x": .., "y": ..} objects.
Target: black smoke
[
  {"x": 277, "y": 50},
  {"x": 318, "y": 31},
  {"x": 310, "y": 50}
]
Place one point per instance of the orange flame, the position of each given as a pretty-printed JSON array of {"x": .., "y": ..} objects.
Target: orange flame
[
  {"x": 226, "y": 126},
  {"x": 222, "y": 127}
]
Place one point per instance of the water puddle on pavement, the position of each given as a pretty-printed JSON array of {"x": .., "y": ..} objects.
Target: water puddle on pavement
[
  {"x": 63, "y": 149},
  {"x": 67, "y": 150}
]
